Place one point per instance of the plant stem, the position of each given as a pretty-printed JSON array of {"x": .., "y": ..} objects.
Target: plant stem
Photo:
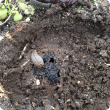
[
  {"x": 6, "y": 20},
  {"x": 8, "y": 7}
]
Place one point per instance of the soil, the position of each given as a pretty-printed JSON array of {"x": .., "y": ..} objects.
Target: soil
[{"x": 80, "y": 45}]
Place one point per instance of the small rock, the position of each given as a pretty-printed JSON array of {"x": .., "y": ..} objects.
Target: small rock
[
  {"x": 103, "y": 53},
  {"x": 1, "y": 38},
  {"x": 78, "y": 103},
  {"x": 80, "y": 83},
  {"x": 101, "y": 43},
  {"x": 33, "y": 104},
  {"x": 99, "y": 17},
  {"x": 37, "y": 82}
]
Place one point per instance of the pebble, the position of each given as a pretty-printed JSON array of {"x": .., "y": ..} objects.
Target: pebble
[
  {"x": 101, "y": 43},
  {"x": 78, "y": 103},
  {"x": 28, "y": 19},
  {"x": 99, "y": 17},
  {"x": 33, "y": 104},
  {"x": 103, "y": 53},
  {"x": 1, "y": 38},
  {"x": 37, "y": 82},
  {"x": 80, "y": 83}
]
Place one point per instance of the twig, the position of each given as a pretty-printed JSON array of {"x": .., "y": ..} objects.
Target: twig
[{"x": 23, "y": 51}]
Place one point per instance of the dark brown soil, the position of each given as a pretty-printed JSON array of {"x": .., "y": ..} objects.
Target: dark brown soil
[{"x": 81, "y": 49}]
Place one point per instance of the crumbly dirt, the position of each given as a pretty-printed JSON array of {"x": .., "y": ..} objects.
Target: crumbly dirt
[{"x": 81, "y": 48}]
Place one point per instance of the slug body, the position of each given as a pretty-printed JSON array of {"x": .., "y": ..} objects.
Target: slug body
[{"x": 36, "y": 59}]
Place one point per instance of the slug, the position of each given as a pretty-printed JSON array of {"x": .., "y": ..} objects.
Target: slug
[{"x": 36, "y": 59}]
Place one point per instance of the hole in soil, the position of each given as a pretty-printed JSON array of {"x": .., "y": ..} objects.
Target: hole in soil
[
  {"x": 49, "y": 70},
  {"x": 69, "y": 53},
  {"x": 52, "y": 60}
]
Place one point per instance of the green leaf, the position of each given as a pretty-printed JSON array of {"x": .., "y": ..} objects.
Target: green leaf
[
  {"x": 31, "y": 9},
  {"x": 3, "y": 13},
  {"x": 22, "y": 6},
  {"x": 26, "y": 12},
  {"x": 17, "y": 17},
  {"x": 3, "y": 6}
]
